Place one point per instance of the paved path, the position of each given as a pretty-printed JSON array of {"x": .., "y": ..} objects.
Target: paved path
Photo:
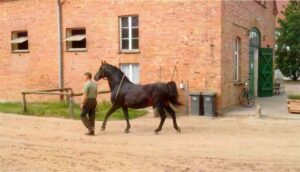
[{"x": 272, "y": 107}]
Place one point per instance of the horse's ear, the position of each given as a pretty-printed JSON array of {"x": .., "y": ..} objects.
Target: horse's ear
[{"x": 104, "y": 62}]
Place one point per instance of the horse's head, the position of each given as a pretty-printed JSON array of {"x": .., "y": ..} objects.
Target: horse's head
[{"x": 101, "y": 72}]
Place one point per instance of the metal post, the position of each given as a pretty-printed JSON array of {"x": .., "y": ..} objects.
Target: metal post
[
  {"x": 187, "y": 97},
  {"x": 258, "y": 110},
  {"x": 70, "y": 97},
  {"x": 60, "y": 46},
  {"x": 24, "y": 102}
]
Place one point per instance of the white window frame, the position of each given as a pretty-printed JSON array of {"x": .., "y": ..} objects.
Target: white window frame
[
  {"x": 236, "y": 59},
  {"x": 130, "y": 65},
  {"x": 130, "y": 27}
]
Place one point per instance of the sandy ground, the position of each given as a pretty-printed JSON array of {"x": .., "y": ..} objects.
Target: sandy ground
[{"x": 222, "y": 144}]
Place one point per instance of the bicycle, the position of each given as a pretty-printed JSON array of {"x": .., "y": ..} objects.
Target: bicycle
[{"x": 246, "y": 99}]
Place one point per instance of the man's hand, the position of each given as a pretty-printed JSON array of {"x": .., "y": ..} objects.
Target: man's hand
[{"x": 83, "y": 100}]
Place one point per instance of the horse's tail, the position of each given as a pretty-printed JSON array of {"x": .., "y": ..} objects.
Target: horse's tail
[{"x": 173, "y": 94}]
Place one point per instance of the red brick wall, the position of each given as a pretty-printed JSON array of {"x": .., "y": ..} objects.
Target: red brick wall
[
  {"x": 281, "y": 5},
  {"x": 238, "y": 18},
  {"x": 191, "y": 34},
  {"x": 170, "y": 32},
  {"x": 37, "y": 69}
]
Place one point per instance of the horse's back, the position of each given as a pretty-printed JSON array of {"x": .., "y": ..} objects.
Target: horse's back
[{"x": 141, "y": 96}]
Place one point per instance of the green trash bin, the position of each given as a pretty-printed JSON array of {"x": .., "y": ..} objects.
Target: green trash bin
[{"x": 209, "y": 104}]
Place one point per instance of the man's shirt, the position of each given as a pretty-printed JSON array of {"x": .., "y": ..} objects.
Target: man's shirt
[{"x": 90, "y": 88}]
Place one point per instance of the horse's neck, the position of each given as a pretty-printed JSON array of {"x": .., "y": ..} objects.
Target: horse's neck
[{"x": 113, "y": 81}]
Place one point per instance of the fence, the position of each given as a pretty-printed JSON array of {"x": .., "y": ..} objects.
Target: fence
[{"x": 68, "y": 92}]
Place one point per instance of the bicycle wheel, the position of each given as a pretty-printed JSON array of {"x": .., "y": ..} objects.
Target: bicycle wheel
[{"x": 247, "y": 99}]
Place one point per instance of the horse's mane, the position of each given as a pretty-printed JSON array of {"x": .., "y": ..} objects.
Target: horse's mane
[{"x": 115, "y": 70}]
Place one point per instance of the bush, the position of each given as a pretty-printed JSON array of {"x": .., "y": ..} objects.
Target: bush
[{"x": 294, "y": 96}]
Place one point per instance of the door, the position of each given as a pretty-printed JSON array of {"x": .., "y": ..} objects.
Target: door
[
  {"x": 265, "y": 72},
  {"x": 251, "y": 70}
]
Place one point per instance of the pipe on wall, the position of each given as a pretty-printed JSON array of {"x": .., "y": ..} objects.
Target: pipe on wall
[{"x": 60, "y": 44}]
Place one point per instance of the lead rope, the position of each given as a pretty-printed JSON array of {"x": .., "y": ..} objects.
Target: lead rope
[{"x": 119, "y": 87}]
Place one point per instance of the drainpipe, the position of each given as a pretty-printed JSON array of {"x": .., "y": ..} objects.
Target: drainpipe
[{"x": 60, "y": 44}]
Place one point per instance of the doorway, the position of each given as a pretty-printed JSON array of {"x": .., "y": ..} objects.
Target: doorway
[
  {"x": 260, "y": 66},
  {"x": 254, "y": 45}
]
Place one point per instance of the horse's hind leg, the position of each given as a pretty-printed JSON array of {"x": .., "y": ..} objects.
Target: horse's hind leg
[
  {"x": 172, "y": 113},
  {"x": 125, "y": 111},
  {"x": 162, "y": 119},
  {"x": 107, "y": 115}
]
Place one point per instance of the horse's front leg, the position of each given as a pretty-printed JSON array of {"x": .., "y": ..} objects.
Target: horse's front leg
[
  {"x": 125, "y": 111},
  {"x": 107, "y": 115}
]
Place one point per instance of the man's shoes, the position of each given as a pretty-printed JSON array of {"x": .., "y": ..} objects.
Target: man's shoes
[{"x": 90, "y": 133}]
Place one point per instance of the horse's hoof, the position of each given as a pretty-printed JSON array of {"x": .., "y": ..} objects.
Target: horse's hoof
[
  {"x": 126, "y": 131},
  {"x": 179, "y": 130},
  {"x": 102, "y": 129},
  {"x": 156, "y": 132}
]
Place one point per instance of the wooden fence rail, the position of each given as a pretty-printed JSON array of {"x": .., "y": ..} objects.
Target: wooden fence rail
[{"x": 68, "y": 92}]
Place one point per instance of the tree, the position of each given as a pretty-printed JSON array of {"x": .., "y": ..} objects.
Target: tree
[{"x": 288, "y": 41}]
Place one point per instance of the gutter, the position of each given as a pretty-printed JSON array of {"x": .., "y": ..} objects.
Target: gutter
[{"x": 60, "y": 44}]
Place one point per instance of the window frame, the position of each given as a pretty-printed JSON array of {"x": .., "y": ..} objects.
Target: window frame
[
  {"x": 130, "y": 77},
  {"x": 130, "y": 38},
  {"x": 13, "y": 33},
  {"x": 68, "y": 43},
  {"x": 236, "y": 60}
]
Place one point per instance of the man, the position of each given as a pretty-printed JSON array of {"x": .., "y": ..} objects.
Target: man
[{"x": 88, "y": 104}]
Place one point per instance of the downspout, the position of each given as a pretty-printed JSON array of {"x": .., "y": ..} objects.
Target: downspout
[{"x": 60, "y": 44}]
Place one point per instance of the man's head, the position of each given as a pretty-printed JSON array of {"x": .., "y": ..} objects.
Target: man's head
[{"x": 88, "y": 76}]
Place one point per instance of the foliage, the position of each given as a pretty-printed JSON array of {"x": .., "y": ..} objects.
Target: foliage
[
  {"x": 60, "y": 109},
  {"x": 288, "y": 41},
  {"x": 294, "y": 96}
]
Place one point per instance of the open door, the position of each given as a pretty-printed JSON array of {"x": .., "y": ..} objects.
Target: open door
[{"x": 265, "y": 72}]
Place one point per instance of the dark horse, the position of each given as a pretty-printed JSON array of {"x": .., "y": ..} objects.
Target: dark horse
[{"x": 125, "y": 94}]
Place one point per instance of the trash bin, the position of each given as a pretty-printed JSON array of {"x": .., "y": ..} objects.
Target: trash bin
[
  {"x": 195, "y": 99},
  {"x": 209, "y": 104}
]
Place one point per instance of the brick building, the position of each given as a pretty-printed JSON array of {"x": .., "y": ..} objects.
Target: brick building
[{"x": 208, "y": 41}]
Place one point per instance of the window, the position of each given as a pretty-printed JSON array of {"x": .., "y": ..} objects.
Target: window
[
  {"x": 132, "y": 71},
  {"x": 236, "y": 59},
  {"x": 19, "y": 41},
  {"x": 76, "y": 39},
  {"x": 129, "y": 33}
]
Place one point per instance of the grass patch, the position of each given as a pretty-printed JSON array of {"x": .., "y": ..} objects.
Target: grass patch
[
  {"x": 294, "y": 96},
  {"x": 60, "y": 109}
]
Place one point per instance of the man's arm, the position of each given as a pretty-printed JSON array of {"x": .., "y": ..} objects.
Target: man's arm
[{"x": 84, "y": 96}]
